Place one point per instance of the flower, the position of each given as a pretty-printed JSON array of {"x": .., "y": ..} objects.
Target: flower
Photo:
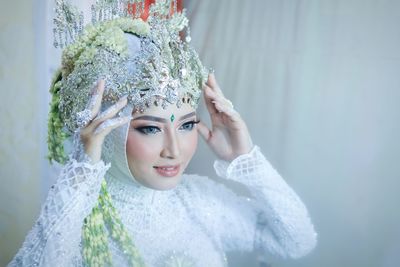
[{"x": 108, "y": 35}]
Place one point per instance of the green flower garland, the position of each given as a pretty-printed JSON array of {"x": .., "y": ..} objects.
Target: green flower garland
[
  {"x": 108, "y": 34},
  {"x": 105, "y": 220},
  {"x": 56, "y": 135}
]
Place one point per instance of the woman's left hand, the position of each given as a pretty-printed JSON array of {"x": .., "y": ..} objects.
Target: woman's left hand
[{"x": 229, "y": 136}]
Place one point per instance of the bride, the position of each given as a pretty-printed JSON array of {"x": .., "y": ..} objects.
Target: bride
[{"x": 127, "y": 94}]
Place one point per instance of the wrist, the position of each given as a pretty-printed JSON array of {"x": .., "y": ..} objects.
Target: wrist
[{"x": 243, "y": 148}]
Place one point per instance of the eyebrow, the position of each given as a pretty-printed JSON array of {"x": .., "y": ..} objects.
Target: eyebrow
[{"x": 158, "y": 119}]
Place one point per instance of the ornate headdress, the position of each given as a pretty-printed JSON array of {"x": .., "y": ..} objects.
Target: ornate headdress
[{"x": 166, "y": 70}]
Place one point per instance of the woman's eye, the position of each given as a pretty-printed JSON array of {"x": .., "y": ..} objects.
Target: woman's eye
[
  {"x": 148, "y": 129},
  {"x": 188, "y": 126}
]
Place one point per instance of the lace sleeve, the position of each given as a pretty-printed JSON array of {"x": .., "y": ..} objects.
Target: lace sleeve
[
  {"x": 282, "y": 225},
  {"x": 55, "y": 237}
]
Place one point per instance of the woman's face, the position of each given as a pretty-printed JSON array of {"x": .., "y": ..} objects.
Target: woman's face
[{"x": 160, "y": 144}]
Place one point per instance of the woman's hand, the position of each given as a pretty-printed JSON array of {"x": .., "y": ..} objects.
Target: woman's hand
[
  {"x": 229, "y": 136},
  {"x": 94, "y": 133}
]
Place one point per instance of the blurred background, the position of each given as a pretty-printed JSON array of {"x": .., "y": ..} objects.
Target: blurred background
[{"x": 317, "y": 81}]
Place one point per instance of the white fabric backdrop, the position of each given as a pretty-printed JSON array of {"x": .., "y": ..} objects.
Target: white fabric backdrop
[
  {"x": 319, "y": 84},
  {"x": 22, "y": 120}
]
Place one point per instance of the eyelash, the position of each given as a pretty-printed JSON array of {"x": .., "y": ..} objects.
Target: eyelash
[{"x": 149, "y": 130}]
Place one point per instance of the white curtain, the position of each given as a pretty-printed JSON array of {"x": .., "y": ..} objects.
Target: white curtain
[{"x": 318, "y": 83}]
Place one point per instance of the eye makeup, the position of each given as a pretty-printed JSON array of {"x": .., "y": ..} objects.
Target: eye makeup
[
  {"x": 148, "y": 130},
  {"x": 188, "y": 126},
  {"x": 151, "y": 129}
]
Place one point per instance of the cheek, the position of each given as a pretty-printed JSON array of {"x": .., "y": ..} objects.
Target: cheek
[
  {"x": 190, "y": 145},
  {"x": 141, "y": 148}
]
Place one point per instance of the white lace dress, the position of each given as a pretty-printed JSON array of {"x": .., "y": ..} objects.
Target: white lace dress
[{"x": 193, "y": 224}]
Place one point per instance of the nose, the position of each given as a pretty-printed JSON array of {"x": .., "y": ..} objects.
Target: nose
[{"x": 171, "y": 147}]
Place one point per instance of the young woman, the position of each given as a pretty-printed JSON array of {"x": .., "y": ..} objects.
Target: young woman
[{"x": 122, "y": 198}]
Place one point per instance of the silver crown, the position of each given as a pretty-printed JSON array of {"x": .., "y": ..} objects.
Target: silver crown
[{"x": 165, "y": 70}]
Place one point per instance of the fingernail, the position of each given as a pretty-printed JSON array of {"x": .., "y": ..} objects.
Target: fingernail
[{"x": 211, "y": 71}]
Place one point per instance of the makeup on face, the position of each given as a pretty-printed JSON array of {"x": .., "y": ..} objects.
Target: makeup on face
[
  {"x": 160, "y": 145},
  {"x": 152, "y": 129},
  {"x": 167, "y": 171}
]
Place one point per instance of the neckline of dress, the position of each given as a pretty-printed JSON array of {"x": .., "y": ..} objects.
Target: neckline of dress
[{"x": 131, "y": 191}]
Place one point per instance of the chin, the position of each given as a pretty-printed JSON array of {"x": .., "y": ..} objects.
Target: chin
[{"x": 162, "y": 183}]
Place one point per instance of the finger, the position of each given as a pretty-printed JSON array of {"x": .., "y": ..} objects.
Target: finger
[
  {"x": 227, "y": 109},
  {"x": 218, "y": 98},
  {"x": 212, "y": 83},
  {"x": 209, "y": 96},
  {"x": 204, "y": 131},
  {"x": 107, "y": 126},
  {"x": 220, "y": 105},
  {"x": 215, "y": 98},
  {"x": 110, "y": 112},
  {"x": 94, "y": 103}
]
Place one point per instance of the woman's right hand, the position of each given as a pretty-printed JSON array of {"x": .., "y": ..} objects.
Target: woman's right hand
[{"x": 93, "y": 134}]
